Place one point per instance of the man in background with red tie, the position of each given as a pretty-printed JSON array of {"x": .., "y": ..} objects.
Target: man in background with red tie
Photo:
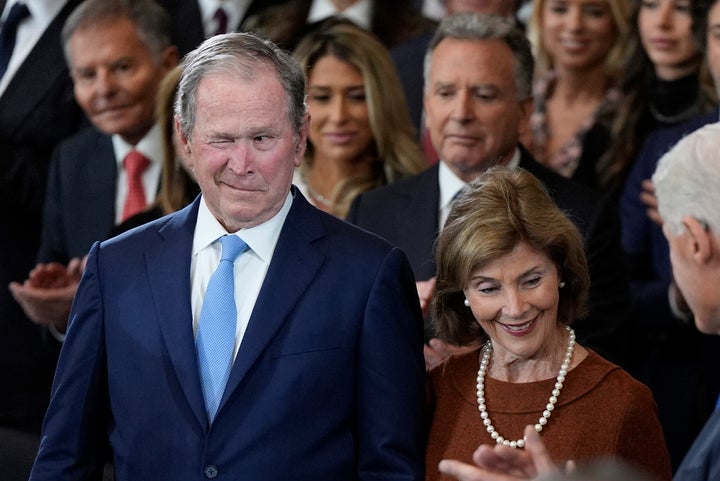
[{"x": 117, "y": 53}]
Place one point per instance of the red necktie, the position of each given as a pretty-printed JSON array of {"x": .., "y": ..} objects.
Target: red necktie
[
  {"x": 222, "y": 21},
  {"x": 135, "y": 164}
]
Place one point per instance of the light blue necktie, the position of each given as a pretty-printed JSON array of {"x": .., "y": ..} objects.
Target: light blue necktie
[{"x": 215, "y": 340}]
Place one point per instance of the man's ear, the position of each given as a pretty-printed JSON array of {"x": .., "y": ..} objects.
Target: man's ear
[
  {"x": 184, "y": 142},
  {"x": 526, "y": 109},
  {"x": 301, "y": 145},
  {"x": 701, "y": 240}
]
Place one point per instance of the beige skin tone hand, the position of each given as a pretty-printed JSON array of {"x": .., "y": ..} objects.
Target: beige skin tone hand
[
  {"x": 647, "y": 197},
  {"x": 503, "y": 463},
  {"x": 47, "y": 294}
]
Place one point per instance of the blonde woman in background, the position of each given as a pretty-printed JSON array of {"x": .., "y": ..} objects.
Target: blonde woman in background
[
  {"x": 579, "y": 47},
  {"x": 360, "y": 132}
]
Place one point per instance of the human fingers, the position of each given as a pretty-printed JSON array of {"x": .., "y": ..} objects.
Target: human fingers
[{"x": 542, "y": 461}]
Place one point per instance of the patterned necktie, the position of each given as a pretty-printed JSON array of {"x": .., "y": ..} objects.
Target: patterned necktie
[
  {"x": 17, "y": 14},
  {"x": 222, "y": 21},
  {"x": 215, "y": 340},
  {"x": 135, "y": 164}
]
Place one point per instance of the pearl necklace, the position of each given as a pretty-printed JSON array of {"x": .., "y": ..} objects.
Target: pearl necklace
[{"x": 485, "y": 361}]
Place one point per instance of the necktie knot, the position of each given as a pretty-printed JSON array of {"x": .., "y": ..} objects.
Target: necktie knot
[
  {"x": 135, "y": 163},
  {"x": 17, "y": 14},
  {"x": 232, "y": 247},
  {"x": 221, "y": 20}
]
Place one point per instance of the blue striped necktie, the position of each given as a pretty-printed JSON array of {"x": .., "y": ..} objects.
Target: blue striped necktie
[{"x": 215, "y": 340}]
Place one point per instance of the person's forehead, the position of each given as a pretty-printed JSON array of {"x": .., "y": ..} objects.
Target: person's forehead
[{"x": 486, "y": 60}]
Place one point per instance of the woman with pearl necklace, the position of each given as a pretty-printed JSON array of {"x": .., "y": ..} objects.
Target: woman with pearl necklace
[{"x": 512, "y": 276}]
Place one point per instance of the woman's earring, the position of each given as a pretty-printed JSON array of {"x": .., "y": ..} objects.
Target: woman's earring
[
  {"x": 466, "y": 302},
  {"x": 561, "y": 284}
]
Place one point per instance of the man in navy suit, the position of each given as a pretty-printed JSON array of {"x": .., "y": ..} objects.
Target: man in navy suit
[
  {"x": 327, "y": 376},
  {"x": 477, "y": 101},
  {"x": 118, "y": 53}
]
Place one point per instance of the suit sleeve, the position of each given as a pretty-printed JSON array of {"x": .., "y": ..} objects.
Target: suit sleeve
[
  {"x": 74, "y": 438},
  {"x": 391, "y": 373}
]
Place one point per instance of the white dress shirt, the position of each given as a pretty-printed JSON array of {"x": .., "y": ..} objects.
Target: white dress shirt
[
  {"x": 358, "y": 12},
  {"x": 234, "y": 9},
  {"x": 42, "y": 13},
  {"x": 151, "y": 147},
  {"x": 250, "y": 267},
  {"x": 451, "y": 185}
]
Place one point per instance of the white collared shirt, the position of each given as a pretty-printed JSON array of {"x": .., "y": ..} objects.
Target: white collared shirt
[
  {"x": 358, "y": 12},
  {"x": 42, "y": 13},
  {"x": 235, "y": 10},
  {"x": 451, "y": 185},
  {"x": 250, "y": 267},
  {"x": 151, "y": 147}
]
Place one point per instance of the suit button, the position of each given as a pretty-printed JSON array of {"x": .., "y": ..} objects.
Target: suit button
[{"x": 211, "y": 471}]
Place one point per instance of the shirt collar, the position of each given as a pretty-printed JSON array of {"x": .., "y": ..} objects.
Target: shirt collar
[
  {"x": 451, "y": 184},
  {"x": 261, "y": 239},
  {"x": 358, "y": 13},
  {"x": 235, "y": 10},
  {"x": 41, "y": 11},
  {"x": 150, "y": 146}
]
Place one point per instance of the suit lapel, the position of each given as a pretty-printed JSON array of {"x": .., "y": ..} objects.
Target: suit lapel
[
  {"x": 168, "y": 266},
  {"x": 294, "y": 265},
  {"x": 421, "y": 230}
]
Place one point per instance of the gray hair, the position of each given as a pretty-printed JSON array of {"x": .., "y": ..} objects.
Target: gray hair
[
  {"x": 241, "y": 54},
  {"x": 476, "y": 26},
  {"x": 151, "y": 20},
  {"x": 687, "y": 180}
]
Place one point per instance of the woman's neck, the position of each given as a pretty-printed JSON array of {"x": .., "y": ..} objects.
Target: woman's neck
[
  {"x": 580, "y": 86},
  {"x": 544, "y": 365},
  {"x": 324, "y": 174}
]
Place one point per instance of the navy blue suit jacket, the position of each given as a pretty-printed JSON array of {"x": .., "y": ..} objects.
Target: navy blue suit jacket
[
  {"x": 80, "y": 199},
  {"x": 702, "y": 462},
  {"x": 328, "y": 383},
  {"x": 406, "y": 214},
  {"x": 643, "y": 240}
]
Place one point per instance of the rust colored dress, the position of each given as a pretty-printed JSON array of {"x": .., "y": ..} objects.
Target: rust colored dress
[{"x": 601, "y": 412}]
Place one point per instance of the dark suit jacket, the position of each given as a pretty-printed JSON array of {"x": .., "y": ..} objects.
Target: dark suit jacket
[
  {"x": 670, "y": 355},
  {"x": 187, "y": 27},
  {"x": 644, "y": 242},
  {"x": 80, "y": 204},
  {"x": 406, "y": 214},
  {"x": 328, "y": 382},
  {"x": 37, "y": 110},
  {"x": 408, "y": 58}
]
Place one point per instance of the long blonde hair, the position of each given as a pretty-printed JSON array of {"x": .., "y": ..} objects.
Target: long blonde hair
[
  {"x": 397, "y": 153},
  {"x": 621, "y": 11}
]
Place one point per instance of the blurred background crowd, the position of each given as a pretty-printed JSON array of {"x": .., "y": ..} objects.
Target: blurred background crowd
[{"x": 88, "y": 150}]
